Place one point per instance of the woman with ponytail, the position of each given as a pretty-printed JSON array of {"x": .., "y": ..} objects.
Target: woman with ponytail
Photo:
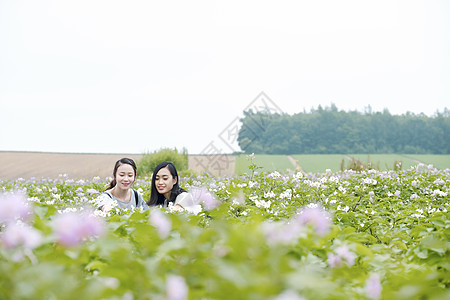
[{"x": 119, "y": 193}]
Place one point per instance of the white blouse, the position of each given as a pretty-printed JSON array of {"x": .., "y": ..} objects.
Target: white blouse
[{"x": 186, "y": 201}]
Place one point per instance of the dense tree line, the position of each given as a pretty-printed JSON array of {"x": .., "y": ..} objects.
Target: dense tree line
[{"x": 329, "y": 130}]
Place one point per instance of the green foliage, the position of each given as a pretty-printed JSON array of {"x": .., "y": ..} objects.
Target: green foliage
[
  {"x": 330, "y": 131},
  {"x": 149, "y": 161},
  {"x": 396, "y": 224}
]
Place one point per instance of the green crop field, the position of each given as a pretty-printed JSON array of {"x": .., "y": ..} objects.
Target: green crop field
[
  {"x": 319, "y": 163},
  {"x": 440, "y": 161},
  {"x": 267, "y": 162},
  {"x": 365, "y": 235},
  {"x": 384, "y": 161}
]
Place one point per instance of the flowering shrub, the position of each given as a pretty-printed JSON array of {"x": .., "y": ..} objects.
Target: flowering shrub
[{"x": 345, "y": 235}]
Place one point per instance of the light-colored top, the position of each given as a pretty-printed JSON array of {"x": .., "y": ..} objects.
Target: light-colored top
[
  {"x": 187, "y": 202},
  {"x": 184, "y": 199},
  {"x": 106, "y": 198}
]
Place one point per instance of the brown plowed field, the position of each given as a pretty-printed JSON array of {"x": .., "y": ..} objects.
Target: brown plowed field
[{"x": 26, "y": 165}]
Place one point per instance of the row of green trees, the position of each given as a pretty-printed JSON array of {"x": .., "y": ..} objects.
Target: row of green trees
[{"x": 329, "y": 130}]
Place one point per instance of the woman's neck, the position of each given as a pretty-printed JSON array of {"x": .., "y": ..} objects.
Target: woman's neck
[
  {"x": 167, "y": 195},
  {"x": 121, "y": 194}
]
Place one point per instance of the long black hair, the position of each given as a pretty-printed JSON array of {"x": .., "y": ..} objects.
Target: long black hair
[
  {"x": 155, "y": 197},
  {"x": 122, "y": 161}
]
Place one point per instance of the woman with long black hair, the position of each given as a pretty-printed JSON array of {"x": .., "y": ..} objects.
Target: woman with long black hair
[{"x": 166, "y": 190}]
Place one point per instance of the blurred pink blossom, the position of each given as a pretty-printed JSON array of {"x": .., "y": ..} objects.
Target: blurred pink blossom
[
  {"x": 20, "y": 234},
  {"x": 161, "y": 222},
  {"x": 347, "y": 255},
  {"x": 316, "y": 216},
  {"x": 280, "y": 232},
  {"x": 176, "y": 288},
  {"x": 334, "y": 260},
  {"x": 72, "y": 228},
  {"x": 289, "y": 295},
  {"x": 373, "y": 287},
  {"x": 201, "y": 195},
  {"x": 14, "y": 207}
]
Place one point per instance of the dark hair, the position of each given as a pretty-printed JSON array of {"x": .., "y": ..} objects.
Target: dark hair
[
  {"x": 122, "y": 161},
  {"x": 155, "y": 197}
]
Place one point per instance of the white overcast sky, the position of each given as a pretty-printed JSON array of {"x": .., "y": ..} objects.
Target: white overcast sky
[{"x": 134, "y": 76}]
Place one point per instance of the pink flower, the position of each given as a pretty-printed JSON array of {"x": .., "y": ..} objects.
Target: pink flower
[
  {"x": 161, "y": 222},
  {"x": 347, "y": 255},
  {"x": 280, "y": 232},
  {"x": 14, "y": 207},
  {"x": 373, "y": 287},
  {"x": 72, "y": 228},
  {"x": 202, "y": 195},
  {"x": 334, "y": 260},
  {"x": 19, "y": 234},
  {"x": 289, "y": 295},
  {"x": 176, "y": 288},
  {"x": 317, "y": 217}
]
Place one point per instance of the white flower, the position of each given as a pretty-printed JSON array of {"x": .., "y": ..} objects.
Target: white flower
[
  {"x": 275, "y": 174},
  {"x": 92, "y": 191},
  {"x": 270, "y": 194},
  {"x": 252, "y": 184},
  {"x": 370, "y": 181},
  {"x": 262, "y": 203},
  {"x": 333, "y": 179},
  {"x": 253, "y": 198},
  {"x": 346, "y": 208},
  {"x": 439, "y": 193},
  {"x": 298, "y": 175},
  {"x": 286, "y": 194}
]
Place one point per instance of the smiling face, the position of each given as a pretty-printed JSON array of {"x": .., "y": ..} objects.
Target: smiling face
[
  {"x": 164, "y": 182},
  {"x": 124, "y": 176}
]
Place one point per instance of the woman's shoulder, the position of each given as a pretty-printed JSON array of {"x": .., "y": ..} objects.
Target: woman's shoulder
[
  {"x": 106, "y": 194},
  {"x": 184, "y": 199},
  {"x": 183, "y": 195}
]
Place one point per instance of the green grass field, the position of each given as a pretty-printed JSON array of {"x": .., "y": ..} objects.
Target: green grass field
[
  {"x": 385, "y": 161},
  {"x": 267, "y": 162},
  {"x": 318, "y": 163},
  {"x": 440, "y": 161}
]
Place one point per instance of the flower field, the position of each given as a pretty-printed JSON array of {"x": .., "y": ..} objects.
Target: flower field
[{"x": 263, "y": 235}]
